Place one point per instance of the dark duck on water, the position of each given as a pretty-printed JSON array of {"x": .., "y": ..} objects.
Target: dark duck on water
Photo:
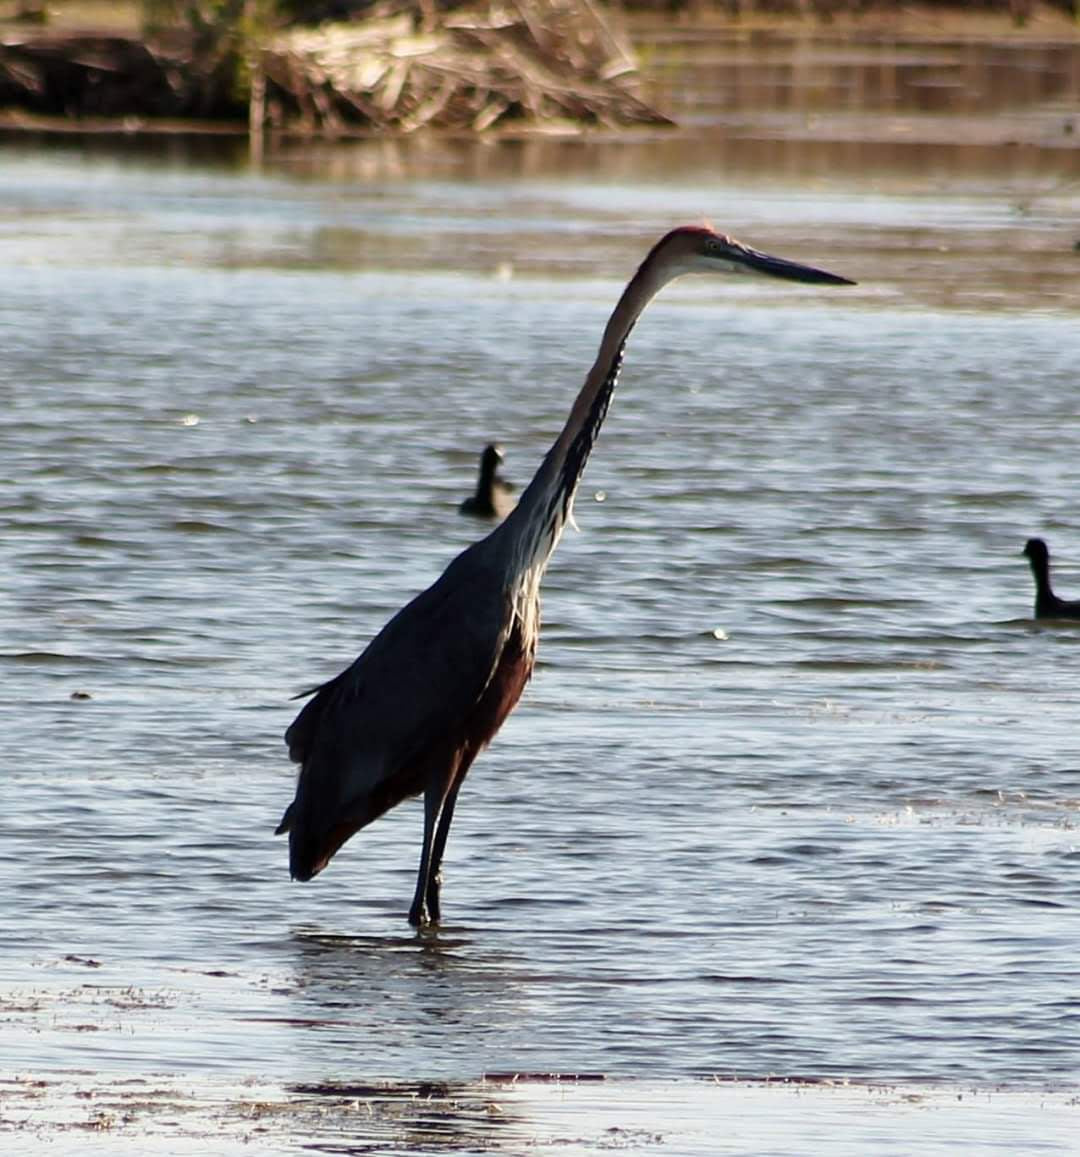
[
  {"x": 1047, "y": 604},
  {"x": 494, "y": 497}
]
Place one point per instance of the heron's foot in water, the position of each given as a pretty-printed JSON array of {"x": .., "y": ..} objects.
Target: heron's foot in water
[
  {"x": 421, "y": 918},
  {"x": 426, "y": 913},
  {"x": 433, "y": 889}
]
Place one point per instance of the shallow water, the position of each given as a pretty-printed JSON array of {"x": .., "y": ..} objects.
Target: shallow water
[
  {"x": 569, "y": 1117},
  {"x": 794, "y": 790}
]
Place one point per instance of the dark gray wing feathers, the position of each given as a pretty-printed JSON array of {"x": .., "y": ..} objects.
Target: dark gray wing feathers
[{"x": 416, "y": 681}]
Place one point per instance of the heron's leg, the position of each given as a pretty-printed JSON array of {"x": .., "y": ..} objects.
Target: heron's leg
[
  {"x": 418, "y": 913},
  {"x": 434, "y": 883}
]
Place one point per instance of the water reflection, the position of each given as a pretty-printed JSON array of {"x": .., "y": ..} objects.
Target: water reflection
[
  {"x": 364, "y": 992},
  {"x": 951, "y": 236},
  {"x": 699, "y": 76},
  {"x": 874, "y": 159},
  {"x": 412, "y": 1117},
  {"x": 895, "y": 158}
]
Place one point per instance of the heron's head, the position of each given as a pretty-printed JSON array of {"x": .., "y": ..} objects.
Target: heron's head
[
  {"x": 697, "y": 249},
  {"x": 1036, "y": 550}
]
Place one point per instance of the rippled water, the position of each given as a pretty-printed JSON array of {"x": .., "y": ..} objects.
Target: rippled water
[{"x": 795, "y": 788}]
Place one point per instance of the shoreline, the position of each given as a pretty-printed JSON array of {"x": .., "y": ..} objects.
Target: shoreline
[
  {"x": 545, "y": 1114},
  {"x": 912, "y": 25}
]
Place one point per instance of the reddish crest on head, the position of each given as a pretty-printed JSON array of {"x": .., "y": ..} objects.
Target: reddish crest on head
[
  {"x": 696, "y": 233},
  {"x": 686, "y": 239}
]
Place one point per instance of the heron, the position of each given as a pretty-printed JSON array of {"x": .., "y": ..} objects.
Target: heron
[
  {"x": 494, "y": 495},
  {"x": 433, "y": 687},
  {"x": 1047, "y": 604}
]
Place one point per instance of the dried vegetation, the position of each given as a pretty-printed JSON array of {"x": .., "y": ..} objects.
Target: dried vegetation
[{"x": 395, "y": 65}]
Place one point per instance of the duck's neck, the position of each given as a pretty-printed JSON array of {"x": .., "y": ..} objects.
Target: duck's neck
[
  {"x": 485, "y": 484},
  {"x": 1045, "y": 599}
]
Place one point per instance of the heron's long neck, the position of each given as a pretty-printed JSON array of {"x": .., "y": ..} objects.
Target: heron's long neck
[{"x": 547, "y": 501}]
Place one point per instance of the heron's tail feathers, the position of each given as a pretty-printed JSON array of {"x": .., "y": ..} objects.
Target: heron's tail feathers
[
  {"x": 303, "y": 860},
  {"x": 286, "y": 821},
  {"x": 309, "y": 854}
]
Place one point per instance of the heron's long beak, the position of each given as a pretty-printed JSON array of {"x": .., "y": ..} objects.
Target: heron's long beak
[{"x": 779, "y": 267}]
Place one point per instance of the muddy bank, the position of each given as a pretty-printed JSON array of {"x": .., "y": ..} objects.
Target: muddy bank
[
  {"x": 555, "y": 65},
  {"x": 540, "y": 1114},
  {"x": 395, "y": 67}
]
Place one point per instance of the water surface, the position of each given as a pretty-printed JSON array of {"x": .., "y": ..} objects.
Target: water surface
[{"x": 794, "y": 789}]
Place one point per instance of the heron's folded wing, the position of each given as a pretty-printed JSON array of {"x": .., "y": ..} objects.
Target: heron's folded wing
[{"x": 417, "y": 680}]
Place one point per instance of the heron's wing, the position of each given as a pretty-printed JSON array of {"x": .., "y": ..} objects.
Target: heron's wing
[{"x": 413, "y": 687}]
